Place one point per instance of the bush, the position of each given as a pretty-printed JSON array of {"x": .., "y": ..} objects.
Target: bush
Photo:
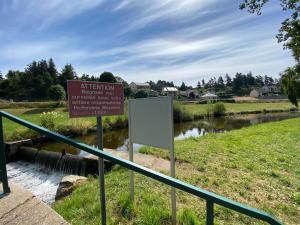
[
  {"x": 217, "y": 109},
  {"x": 56, "y": 93},
  {"x": 141, "y": 94},
  {"x": 180, "y": 115},
  {"x": 48, "y": 119}
]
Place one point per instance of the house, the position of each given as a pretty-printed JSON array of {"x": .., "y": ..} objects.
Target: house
[
  {"x": 135, "y": 87},
  {"x": 190, "y": 93},
  {"x": 119, "y": 79},
  {"x": 209, "y": 96},
  {"x": 170, "y": 91},
  {"x": 255, "y": 93}
]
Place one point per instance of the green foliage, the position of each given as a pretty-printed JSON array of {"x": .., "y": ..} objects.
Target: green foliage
[
  {"x": 290, "y": 80},
  {"x": 219, "y": 109},
  {"x": 67, "y": 73},
  {"x": 107, "y": 77},
  {"x": 187, "y": 217},
  {"x": 56, "y": 93},
  {"x": 289, "y": 35},
  {"x": 182, "y": 87},
  {"x": 141, "y": 94},
  {"x": 48, "y": 119},
  {"x": 180, "y": 114},
  {"x": 127, "y": 91}
]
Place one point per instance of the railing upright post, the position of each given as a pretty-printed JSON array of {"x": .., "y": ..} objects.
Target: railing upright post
[
  {"x": 101, "y": 171},
  {"x": 3, "y": 172},
  {"x": 209, "y": 212}
]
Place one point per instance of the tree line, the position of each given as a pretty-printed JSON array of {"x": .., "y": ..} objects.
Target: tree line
[{"x": 41, "y": 80}]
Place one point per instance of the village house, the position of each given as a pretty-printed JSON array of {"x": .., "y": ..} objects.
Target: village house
[
  {"x": 135, "y": 87},
  {"x": 190, "y": 93},
  {"x": 209, "y": 96},
  {"x": 170, "y": 91}
]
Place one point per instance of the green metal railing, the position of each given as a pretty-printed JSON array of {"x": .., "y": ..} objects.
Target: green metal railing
[{"x": 211, "y": 198}]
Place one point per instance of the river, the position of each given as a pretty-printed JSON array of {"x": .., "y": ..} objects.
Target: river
[{"x": 118, "y": 139}]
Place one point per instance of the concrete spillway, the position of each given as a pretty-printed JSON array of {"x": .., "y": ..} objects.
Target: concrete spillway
[{"x": 41, "y": 182}]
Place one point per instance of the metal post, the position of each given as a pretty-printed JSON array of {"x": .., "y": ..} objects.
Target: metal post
[
  {"x": 101, "y": 170},
  {"x": 209, "y": 212},
  {"x": 131, "y": 172},
  {"x": 130, "y": 145},
  {"x": 3, "y": 172},
  {"x": 172, "y": 164}
]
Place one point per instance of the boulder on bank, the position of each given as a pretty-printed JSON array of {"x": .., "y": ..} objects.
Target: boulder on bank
[{"x": 67, "y": 185}]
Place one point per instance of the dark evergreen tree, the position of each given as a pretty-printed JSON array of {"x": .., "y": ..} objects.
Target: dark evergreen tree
[
  {"x": 228, "y": 80},
  {"x": 67, "y": 73},
  {"x": 182, "y": 87},
  {"x": 107, "y": 77},
  {"x": 52, "y": 71}
]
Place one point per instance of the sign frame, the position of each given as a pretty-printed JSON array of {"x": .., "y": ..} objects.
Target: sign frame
[
  {"x": 101, "y": 95},
  {"x": 98, "y": 96},
  {"x": 133, "y": 138}
]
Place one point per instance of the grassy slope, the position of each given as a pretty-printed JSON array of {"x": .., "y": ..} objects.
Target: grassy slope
[
  {"x": 63, "y": 123},
  {"x": 258, "y": 165},
  {"x": 197, "y": 109}
]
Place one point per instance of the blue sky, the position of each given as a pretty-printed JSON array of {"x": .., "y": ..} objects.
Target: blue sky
[{"x": 143, "y": 40}]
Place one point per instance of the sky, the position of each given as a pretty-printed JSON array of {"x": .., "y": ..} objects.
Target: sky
[{"x": 139, "y": 40}]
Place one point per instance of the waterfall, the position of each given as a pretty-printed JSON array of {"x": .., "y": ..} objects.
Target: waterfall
[{"x": 41, "y": 182}]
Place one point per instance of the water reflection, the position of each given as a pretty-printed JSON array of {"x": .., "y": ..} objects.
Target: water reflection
[{"x": 118, "y": 139}]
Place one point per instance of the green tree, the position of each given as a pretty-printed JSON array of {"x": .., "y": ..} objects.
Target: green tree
[
  {"x": 107, "y": 77},
  {"x": 141, "y": 94},
  {"x": 56, "y": 93},
  {"x": 52, "y": 70},
  {"x": 289, "y": 33},
  {"x": 1, "y": 76},
  {"x": 127, "y": 91},
  {"x": 38, "y": 79},
  {"x": 182, "y": 87},
  {"x": 291, "y": 84},
  {"x": 67, "y": 73}
]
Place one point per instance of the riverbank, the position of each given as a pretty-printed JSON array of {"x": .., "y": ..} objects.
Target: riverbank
[
  {"x": 82, "y": 126},
  {"x": 253, "y": 165}
]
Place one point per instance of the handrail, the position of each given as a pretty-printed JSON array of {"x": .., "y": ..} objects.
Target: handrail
[{"x": 210, "y": 197}]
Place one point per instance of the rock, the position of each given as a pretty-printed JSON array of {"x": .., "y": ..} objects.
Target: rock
[{"x": 67, "y": 185}]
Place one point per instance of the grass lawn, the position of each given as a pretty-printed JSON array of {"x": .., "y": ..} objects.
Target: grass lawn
[
  {"x": 201, "y": 109},
  {"x": 82, "y": 125},
  {"x": 258, "y": 166}
]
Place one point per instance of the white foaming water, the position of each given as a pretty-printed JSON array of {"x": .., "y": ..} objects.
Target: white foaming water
[{"x": 39, "y": 181}]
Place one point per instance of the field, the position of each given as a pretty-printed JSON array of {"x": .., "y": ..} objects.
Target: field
[
  {"x": 255, "y": 166},
  {"x": 63, "y": 124}
]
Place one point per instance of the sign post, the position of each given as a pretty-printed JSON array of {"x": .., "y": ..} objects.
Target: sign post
[
  {"x": 96, "y": 99},
  {"x": 151, "y": 123}
]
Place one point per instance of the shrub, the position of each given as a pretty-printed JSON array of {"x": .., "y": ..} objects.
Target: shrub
[
  {"x": 141, "y": 94},
  {"x": 48, "y": 119},
  {"x": 219, "y": 109},
  {"x": 180, "y": 115},
  {"x": 56, "y": 93}
]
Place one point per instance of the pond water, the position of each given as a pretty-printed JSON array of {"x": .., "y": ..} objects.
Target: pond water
[{"x": 118, "y": 139}]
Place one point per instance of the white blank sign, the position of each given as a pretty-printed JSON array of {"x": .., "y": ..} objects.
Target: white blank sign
[{"x": 151, "y": 122}]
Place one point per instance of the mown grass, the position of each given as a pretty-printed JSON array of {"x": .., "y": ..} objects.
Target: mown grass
[{"x": 258, "y": 166}]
